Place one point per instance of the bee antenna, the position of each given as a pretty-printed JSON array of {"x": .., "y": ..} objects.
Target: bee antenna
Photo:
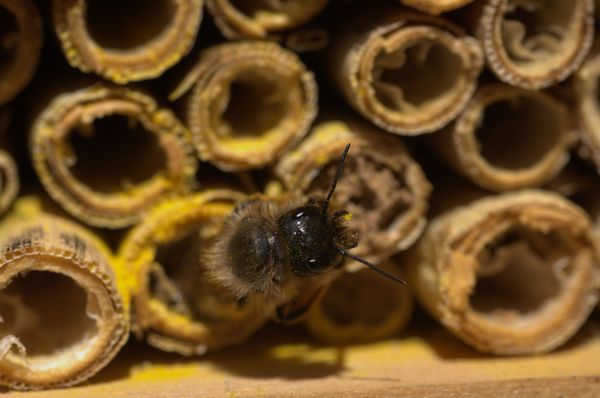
[
  {"x": 370, "y": 265},
  {"x": 338, "y": 174}
]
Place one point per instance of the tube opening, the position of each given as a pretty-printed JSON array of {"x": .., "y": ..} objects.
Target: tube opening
[
  {"x": 257, "y": 102},
  {"x": 534, "y": 30},
  {"x": 113, "y": 153},
  {"x": 128, "y": 24},
  {"x": 416, "y": 76},
  {"x": 9, "y": 39},
  {"x": 504, "y": 288},
  {"x": 48, "y": 312},
  {"x": 517, "y": 133},
  {"x": 371, "y": 191},
  {"x": 360, "y": 297}
]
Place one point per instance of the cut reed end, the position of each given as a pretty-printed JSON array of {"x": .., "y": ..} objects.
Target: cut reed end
[
  {"x": 177, "y": 307},
  {"x": 125, "y": 42},
  {"x": 508, "y": 138},
  {"x": 360, "y": 307},
  {"x": 533, "y": 44},
  {"x": 63, "y": 311},
  {"x": 587, "y": 94},
  {"x": 21, "y": 38},
  {"x": 510, "y": 275},
  {"x": 9, "y": 181},
  {"x": 249, "y": 103},
  {"x": 108, "y": 154},
  {"x": 408, "y": 78},
  {"x": 385, "y": 191}
]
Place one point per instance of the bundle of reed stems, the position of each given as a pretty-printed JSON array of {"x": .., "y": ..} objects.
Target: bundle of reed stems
[{"x": 156, "y": 173}]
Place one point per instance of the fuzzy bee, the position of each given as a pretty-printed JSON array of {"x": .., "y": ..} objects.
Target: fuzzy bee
[{"x": 284, "y": 251}]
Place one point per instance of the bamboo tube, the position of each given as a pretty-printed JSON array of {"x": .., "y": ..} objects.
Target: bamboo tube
[
  {"x": 436, "y": 6},
  {"x": 508, "y": 138},
  {"x": 407, "y": 72},
  {"x": 359, "y": 307},
  {"x": 249, "y": 103},
  {"x": 258, "y": 19},
  {"x": 176, "y": 306},
  {"x": 135, "y": 140},
  {"x": 64, "y": 309},
  {"x": 20, "y": 43},
  {"x": 385, "y": 191},
  {"x": 512, "y": 274},
  {"x": 126, "y": 41},
  {"x": 534, "y": 44}
]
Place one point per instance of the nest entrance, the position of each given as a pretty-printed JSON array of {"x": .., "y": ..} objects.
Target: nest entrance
[
  {"x": 416, "y": 76},
  {"x": 534, "y": 30},
  {"x": 376, "y": 196},
  {"x": 531, "y": 127},
  {"x": 48, "y": 312},
  {"x": 114, "y": 152},
  {"x": 351, "y": 299},
  {"x": 123, "y": 25},
  {"x": 256, "y": 102},
  {"x": 521, "y": 272}
]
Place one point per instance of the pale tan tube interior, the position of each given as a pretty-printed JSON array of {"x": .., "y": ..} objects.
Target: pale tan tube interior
[
  {"x": 249, "y": 103},
  {"x": 47, "y": 311},
  {"x": 260, "y": 18},
  {"x": 534, "y": 43},
  {"x": 21, "y": 39},
  {"x": 108, "y": 154},
  {"x": 512, "y": 274},
  {"x": 504, "y": 288},
  {"x": 509, "y": 138},
  {"x": 410, "y": 78},
  {"x": 64, "y": 314},
  {"x": 126, "y": 41}
]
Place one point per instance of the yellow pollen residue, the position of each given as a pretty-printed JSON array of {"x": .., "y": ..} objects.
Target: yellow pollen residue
[
  {"x": 348, "y": 217},
  {"x": 150, "y": 372}
]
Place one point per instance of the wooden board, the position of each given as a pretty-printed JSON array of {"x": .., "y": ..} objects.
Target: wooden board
[{"x": 426, "y": 361}]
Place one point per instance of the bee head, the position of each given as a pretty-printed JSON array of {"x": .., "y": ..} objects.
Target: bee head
[{"x": 317, "y": 239}]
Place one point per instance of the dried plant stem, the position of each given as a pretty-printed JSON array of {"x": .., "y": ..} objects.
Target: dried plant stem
[
  {"x": 407, "y": 72},
  {"x": 111, "y": 182},
  {"x": 249, "y": 102},
  {"x": 177, "y": 308},
  {"x": 508, "y": 138},
  {"x": 359, "y": 307},
  {"x": 138, "y": 39},
  {"x": 383, "y": 188},
  {"x": 21, "y": 39},
  {"x": 534, "y": 44},
  {"x": 64, "y": 307},
  {"x": 512, "y": 274}
]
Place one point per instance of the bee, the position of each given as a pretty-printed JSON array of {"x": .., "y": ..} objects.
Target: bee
[{"x": 285, "y": 251}]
